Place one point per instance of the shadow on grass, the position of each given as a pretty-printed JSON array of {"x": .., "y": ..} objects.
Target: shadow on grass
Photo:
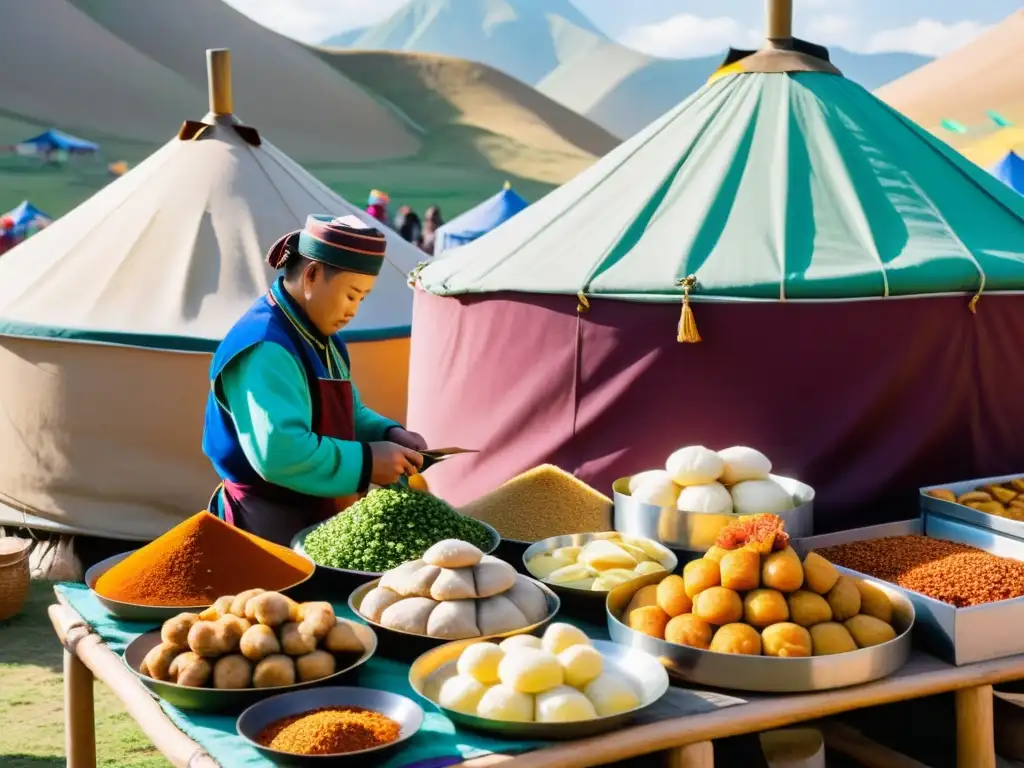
[
  {"x": 29, "y": 638},
  {"x": 31, "y": 761}
]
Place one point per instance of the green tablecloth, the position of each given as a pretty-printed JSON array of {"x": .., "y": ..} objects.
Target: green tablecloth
[{"x": 439, "y": 743}]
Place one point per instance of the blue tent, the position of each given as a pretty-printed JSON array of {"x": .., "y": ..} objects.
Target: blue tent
[
  {"x": 1010, "y": 170},
  {"x": 24, "y": 217},
  {"x": 57, "y": 141},
  {"x": 480, "y": 220}
]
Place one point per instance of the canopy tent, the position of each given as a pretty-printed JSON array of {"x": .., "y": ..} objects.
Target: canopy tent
[
  {"x": 53, "y": 140},
  {"x": 990, "y": 150},
  {"x": 478, "y": 221},
  {"x": 23, "y": 218},
  {"x": 813, "y": 220},
  {"x": 109, "y": 316},
  {"x": 1010, "y": 171}
]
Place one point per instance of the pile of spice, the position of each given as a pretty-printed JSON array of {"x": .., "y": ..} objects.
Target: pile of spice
[
  {"x": 330, "y": 731},
  {"x": 957, "y": 574},
  {"x": 199, "y": 560},
  {"x": 542, "y": 502}
]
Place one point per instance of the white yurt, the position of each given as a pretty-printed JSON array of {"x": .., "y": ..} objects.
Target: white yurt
[{"x": 108, "y": 319}]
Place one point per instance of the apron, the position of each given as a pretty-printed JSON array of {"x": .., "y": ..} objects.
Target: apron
[{"x": 277, "y": 513}]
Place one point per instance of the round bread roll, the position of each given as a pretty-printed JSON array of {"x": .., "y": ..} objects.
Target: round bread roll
[
  {"x": 658, "y": 491},
  {"x": 493, "y": 576},
  {"x": 454, "y": 584},
  {"x": 461, "y": 693},
  {"x": 742, "y": 463},
  {"x": 529, "y": 598},
  {"x": 502, "y": 702},
  {"x": 413, "y": 579},
  {"x": 694, "y": 465},
  {"x": 563, "y": 705},
  {"x": 452, "y": 553},
  {"x": 378, "y": 600},
  {"x": 498, "y": 614},
  {"x": 409, "y": 615},
  {"x": 710, "y": 499},
  {"x": 757, "y": 497},
  {"x": 480, "y": 661},
  {"x": 528, "y": 670},
  {"x": 642, "y": 477},
  {"x": 453, "y": 620}
]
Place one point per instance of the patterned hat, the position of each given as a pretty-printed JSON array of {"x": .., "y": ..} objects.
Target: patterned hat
[
  {"x": 378, "y": 198},
  {"x": 346, "y": 243}
]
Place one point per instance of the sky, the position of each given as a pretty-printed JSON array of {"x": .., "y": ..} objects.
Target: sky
[{"x": 686, "y": 28}]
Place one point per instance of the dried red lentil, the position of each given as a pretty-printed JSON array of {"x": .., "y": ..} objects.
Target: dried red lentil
[
  {"x": 953, "y": 573},
  {"x": 330, "y": 731}
]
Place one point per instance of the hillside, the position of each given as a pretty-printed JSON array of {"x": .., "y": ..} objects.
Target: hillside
[
  {"x": 125, "y": 73},
  {"x": 964, "y": 85},
  {"x": 552, "y": 45}
]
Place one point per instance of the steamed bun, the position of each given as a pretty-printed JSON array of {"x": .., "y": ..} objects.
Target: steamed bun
[
  {"x": 611, "y": 694},
  {"x": 530, "y": 671},
  {"x": 559, "y": 636},
  {"x": 757, "y": 497},
  {"x": 742, "y": 463},
  {"x": 504, "y": 703},
  {"x": 582, "y": 663},
  {"x": 694, "y": 465},
  {"x": 461, "y": 693},
  {"x": 529, "y": 598},
  {"x": 563, "y": 705},
  {"x": 480, "y": 661},
  {"x": 658, "y": 491},
  {"x": 711, "y": 498},
  {"x": 452, "y": 553},
  {"x": 642, "y": 477},
  {"x": 378, "y": 600}
]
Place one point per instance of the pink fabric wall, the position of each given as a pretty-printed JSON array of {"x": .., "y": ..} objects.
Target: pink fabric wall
[{"x": 866, "y": 401}]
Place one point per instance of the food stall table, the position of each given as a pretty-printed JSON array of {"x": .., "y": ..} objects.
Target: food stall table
[{"x": 682, "y": 725}]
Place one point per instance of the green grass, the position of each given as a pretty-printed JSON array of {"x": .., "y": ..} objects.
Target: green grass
[{"x": 32, "y": 699}]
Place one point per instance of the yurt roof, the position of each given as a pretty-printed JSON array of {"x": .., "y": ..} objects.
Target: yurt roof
[
  {"x": 990, "y": 150},
  {"x": 1010, "y": 171},
  {"x": 481, "y": 219},
  {"x": 172, "y": 253},
  {"x": 774, "y": 181}
]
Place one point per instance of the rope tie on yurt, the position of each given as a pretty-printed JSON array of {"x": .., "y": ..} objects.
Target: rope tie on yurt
[
  {"x": 583, "y": 303},
  {"x": 687, "y": 331},
  {"x": 414, "y": 276},
  {"x": 973, "y": 304}
]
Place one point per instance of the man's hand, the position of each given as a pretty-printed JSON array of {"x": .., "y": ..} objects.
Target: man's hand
[
  {"x": 408, "y": 439},
  {"x": 391, "y": 461}
]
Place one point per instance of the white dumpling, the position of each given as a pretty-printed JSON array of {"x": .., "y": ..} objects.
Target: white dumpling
[
  {"x": 559, "y": 636},
  {"x": 694, "y": 465},
  {"x": 493, "y": 576},
  {"x": 452, "y": 553},
  {"x": 642, "y": 477},
  {"x": 461, "y": 693},
  {"x": 409, "y": 615},
  {"x": 529, "y": 598},
  {"x": 503, "y": 703},
  {"x": 498, "y": 614},
  {"x": 742, "y": 463},
  {"x": 453, "y": 620},
  {"x": 412, "y": 579},
  {"x": 509, "y": 644},
  {"x": 530, "y": 670},
  {"x": 658, "y": 491},
  {"x": 710, "y": 499},
  {"x": 582, "y": 663},
  {"x": 563, "y": 705},
  {"x": 611, "y": 693},
  {"x": 481, "y": 661},
  {"x": 757, "y": 497},
  {"x": 454, "y": 584},
  {"x": 377, "y": 600}
]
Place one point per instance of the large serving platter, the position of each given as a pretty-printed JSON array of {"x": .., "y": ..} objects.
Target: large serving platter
[
  {"x": 957, "y": 635},
  {"x": 429, "y": 672},
  {"x": 765, "y": 673},
  {"x": 1003, "y": 525}
]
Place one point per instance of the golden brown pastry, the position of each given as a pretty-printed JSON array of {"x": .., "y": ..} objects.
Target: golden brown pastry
[
  {"x": 701, "y": 574},
  {"x": 190, "y": 669},
  {"x": 830, "y": 638},
  {"x": 867, "y": 631},
  {"x": 844, "y": 599},
  {"x": 943, "y": 494},
  {"x": 232, "y": 672},
  {"x": 650, "y": 620},
  {"x": 715, "y": 553},
  {"x": 967, "y": 498},
  {"x": 295, "y": 641},
  {"x": 238, "y": 605},
  {"x": 1001, "y": 493},
  {"x": 206, "y": 639},
  {"x": 671, "y": 597},
  {"x": 258, "y": 642},
  {"x": 737, "y": 638},
  {"x": 782, "y": 571},
  {"x": 1018, "y": 484},
  {"x": 274, "y": 671},
  {"x": 988, "y": 507},
  {"x": 175, "y": 630},
  {"x": 718, "y": 605},
  {"x": 157, "y": 663},
  {"x": 807, "y": 608},
  {"x": 819, "y": 574},
  {"x": 763, "y": 607},
  {"x": 786, "y": 640},
  {"x": 690, "y": 630},
  {"x": 873, "y": 601},
  {"x": 740, "y": 570},
  {"x": 315, "y": 665},
  {"x": 644, "y": 597}
]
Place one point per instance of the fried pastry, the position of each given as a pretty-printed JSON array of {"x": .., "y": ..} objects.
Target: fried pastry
[
  {"x": 1001, "y": 493},
  {"x": 943, "y": 494},
  {"x": 972, "y": 496}
]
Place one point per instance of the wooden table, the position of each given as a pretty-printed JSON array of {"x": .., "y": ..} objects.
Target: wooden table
[{"x": 686, "y": 740}]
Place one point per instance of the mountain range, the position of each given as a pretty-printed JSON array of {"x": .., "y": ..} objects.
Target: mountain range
[{"x": 553, "y": 46}]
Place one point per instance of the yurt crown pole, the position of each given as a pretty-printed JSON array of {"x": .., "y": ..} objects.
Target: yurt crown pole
[
  {"x": 780, "y": 23},
  {"x": 218, "y": 75}
]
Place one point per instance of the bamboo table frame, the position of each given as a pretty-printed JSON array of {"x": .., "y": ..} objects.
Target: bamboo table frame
[{"x": 686, "y": 740}]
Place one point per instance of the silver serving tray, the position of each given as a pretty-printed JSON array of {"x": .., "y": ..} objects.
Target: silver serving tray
[
  {"x": 931, "y": 505},
  {"x": 649, "y": 678},
  {"x": 768, "y": 674},
  {"x": 147, "y": 613},
  {"x": 405, "y": 645},
  {"x": 956, "y": 635},
  {"x": 695, "y": 531}
]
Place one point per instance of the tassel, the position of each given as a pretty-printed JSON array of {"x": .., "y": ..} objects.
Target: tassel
[
  {"x": 687, "y": 332},
  {"x": 584, "y": 304}
]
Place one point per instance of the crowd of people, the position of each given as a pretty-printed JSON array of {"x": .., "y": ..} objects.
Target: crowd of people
[{"x": 407, "y": 223}]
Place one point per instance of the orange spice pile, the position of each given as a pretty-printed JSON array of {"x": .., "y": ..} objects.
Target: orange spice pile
[{"x": 330, "y": 731}]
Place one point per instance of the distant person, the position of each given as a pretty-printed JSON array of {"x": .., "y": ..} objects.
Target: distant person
[
  {"x": 409, "y": 225},
  {"x": 432, "y": 222},
  {"x": 378, "y": 206}
]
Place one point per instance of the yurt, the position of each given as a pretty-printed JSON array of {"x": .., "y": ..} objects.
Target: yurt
[
  {"x": 845, "y": 287},
  {"x": 479, "y": 220},
  {"x": 1010, "y": 171},
  {"x": 996, "y": 146},
  {"x": 109, "y": 316}
]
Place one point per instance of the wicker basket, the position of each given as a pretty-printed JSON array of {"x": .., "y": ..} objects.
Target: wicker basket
[{"x": 14, "y": 575}]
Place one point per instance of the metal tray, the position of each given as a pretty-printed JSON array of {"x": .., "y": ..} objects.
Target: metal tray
[
  {"x": 342, "y": 580},
  {"x": 406, "y": 646},
  {"x": 695, "y": 531},
  {"x": 1005, "y": 526},
  {"x": 149, "y": 613},
  {"x": 233, "y": 701},
  {"x": 430, "y": 670},
  {"x": 956, "y": 635},
  {"x": 582, "y": 603},
  {"x": 766, "y": 673},
  {"x": 402, "y": 710}
]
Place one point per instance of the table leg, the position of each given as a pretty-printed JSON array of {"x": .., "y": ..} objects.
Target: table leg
[
  {"x": 79, "y": 718},
  {"x": 699, "y": 755},
  {"x": 975, "y": 732}
]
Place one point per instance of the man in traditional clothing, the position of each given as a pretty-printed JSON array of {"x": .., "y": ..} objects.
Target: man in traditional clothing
[
  {"x": 377, "y": 206},
  {"x": 285, "y": 427}
]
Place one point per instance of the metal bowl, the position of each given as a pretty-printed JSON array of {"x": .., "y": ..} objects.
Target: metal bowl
[
  {"x": 584, "y": 604},
  {"x": 149, "y": 613},
  {"x": 406, "y": 646},
  {"x": 218, "y": 700},
  {"x": 429, "y": 671},
  {"x": 696, "y": 531},
  {"x": 768, "y": 674},
  {"x": 406, "y": 712},
  {"x": 344, "y": 580}
]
